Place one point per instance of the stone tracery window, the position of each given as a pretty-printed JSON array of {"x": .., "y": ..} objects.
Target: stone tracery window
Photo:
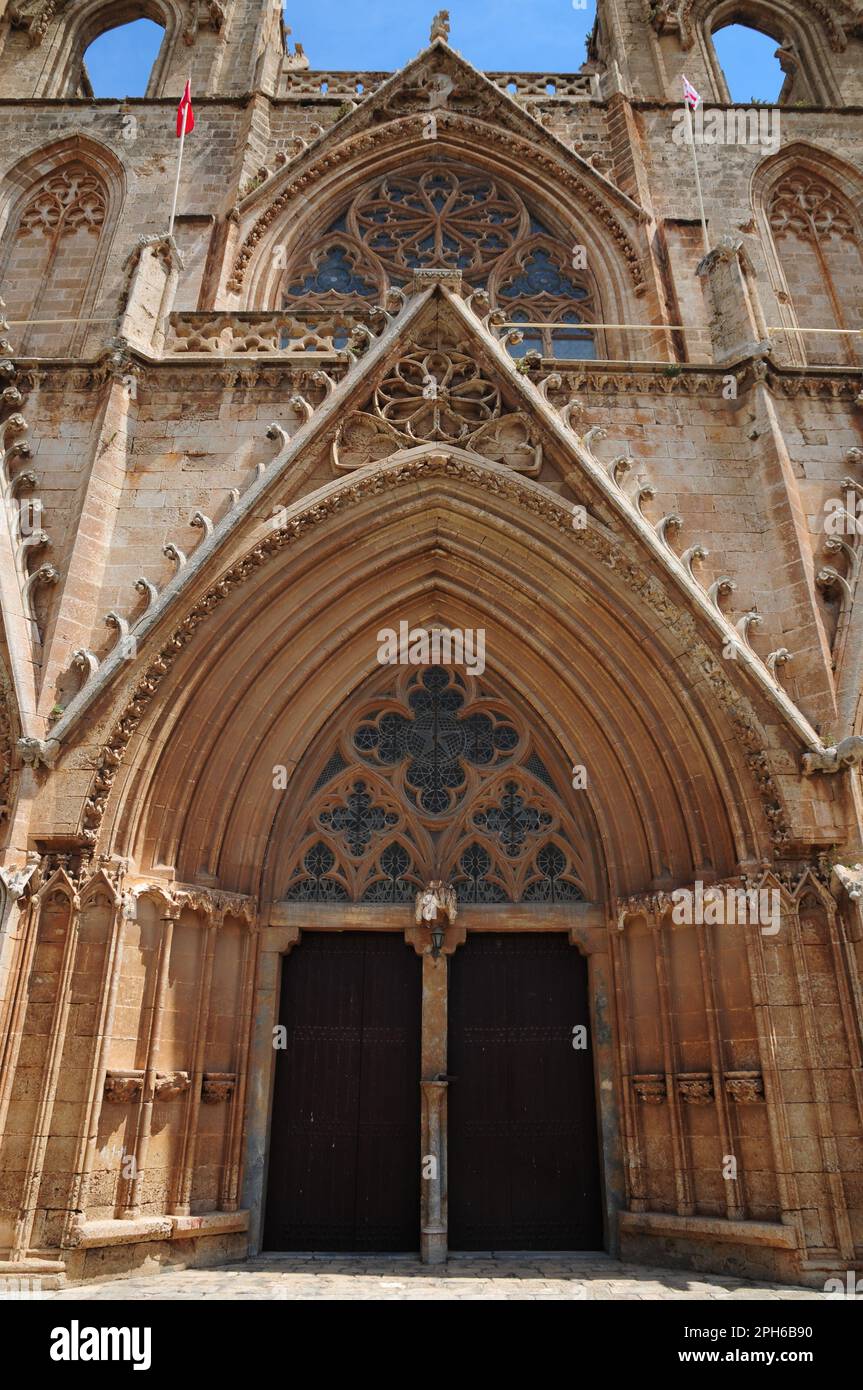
[
  {"x": 440, "y": 217},
  {"x": 452, "y": 217},
  {"x": 818, "y": 245},
  {"x": 435, "y": 779},
  {"x": 52, "y": 246}
]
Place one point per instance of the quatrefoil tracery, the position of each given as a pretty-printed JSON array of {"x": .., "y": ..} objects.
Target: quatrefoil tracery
[{"x": 434, "y": 782}]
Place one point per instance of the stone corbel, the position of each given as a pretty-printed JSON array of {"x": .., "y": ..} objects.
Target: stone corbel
[
  {"x": 210, "y": 13},
  {"x": 695, "y": 1087},
  {"x": 453, "y": 937},
  {"x": 744, "y": 1087},
  {"x": 217, "y": 1086},
  {"x": 122, "y": 1087},
  {"x": 672, "y": 17},
  {"x": 847, "y": 753},
  {"x": 38, "y": 752},
  {"x": 650, "y": 1088},
  {"x": 848, "y": 878},
  {"x": 17, "y": 879},
  {"x": 171, "y": 1084},
  {"x": 34, "y": 17},
  {"x": 435, "y": 909}
]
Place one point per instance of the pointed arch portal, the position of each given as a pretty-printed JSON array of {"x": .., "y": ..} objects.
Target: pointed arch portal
[
  {"x": 401, "y": 1080},
  {"x": 399, "y": 662}
]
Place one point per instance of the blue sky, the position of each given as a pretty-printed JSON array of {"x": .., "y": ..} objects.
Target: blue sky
[{"x": 522, "y": 35}]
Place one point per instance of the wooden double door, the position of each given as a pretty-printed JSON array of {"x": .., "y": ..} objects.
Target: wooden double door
[{"x": 346, "y": 1163}]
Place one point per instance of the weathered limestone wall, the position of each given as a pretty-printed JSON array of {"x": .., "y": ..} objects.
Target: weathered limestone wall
[{"x": 129, "y": 1001}]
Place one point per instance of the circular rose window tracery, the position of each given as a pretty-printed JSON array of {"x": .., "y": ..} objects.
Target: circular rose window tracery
[{"x": 440, "y": 217}]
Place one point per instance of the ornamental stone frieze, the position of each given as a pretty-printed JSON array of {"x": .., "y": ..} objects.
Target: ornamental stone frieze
[
  {"x": 792, "y": 881},
  {"x": 696, "y": 1088},
  {"x": 213, "y": 904},
  {"x": 123, "y": 1087}
]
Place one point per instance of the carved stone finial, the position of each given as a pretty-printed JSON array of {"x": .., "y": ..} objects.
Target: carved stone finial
[{"x": 440, "y": 27}]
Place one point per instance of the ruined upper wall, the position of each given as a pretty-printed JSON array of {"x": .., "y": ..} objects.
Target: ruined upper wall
[
  {"x": 225, "y": 47},
  {"x": 650, "y": 44}
]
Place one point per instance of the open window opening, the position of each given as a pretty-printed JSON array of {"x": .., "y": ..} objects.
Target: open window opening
[
  {"x": 120, "y": 62},
  {"x": 757, "y": 67}
]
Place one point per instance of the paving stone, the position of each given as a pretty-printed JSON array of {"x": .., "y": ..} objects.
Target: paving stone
[{"x": 494, "y": 1278}]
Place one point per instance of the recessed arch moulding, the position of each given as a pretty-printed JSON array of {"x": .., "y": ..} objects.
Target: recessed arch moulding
[
  {"x": 290, "y": 213},
  {"x": 671, "y": 769}
]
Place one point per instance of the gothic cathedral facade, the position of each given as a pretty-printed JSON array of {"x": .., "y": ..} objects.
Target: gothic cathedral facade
[{"x": 430, "y": 814}]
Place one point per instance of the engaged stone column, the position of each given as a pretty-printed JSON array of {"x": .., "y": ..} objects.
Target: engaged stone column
[{"x": 433, "y": 1237}]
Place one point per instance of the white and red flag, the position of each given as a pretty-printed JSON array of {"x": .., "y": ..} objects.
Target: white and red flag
[
  {"x": 185, "y": 114},
  {"x": 690, "y": 96}
]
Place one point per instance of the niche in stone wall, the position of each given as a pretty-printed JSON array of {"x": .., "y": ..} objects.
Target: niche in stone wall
[
  {"x": 30, "y": 1044},
  {"x": 225, "y": 1027},
  {"x": 127, "y": 1052}
]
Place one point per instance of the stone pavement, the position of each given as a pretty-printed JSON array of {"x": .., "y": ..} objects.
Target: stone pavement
[{"x": 505, "y": 1276}]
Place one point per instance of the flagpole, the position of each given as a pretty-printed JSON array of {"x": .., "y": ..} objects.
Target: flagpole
[
  {"x": 179, "y": 166},
  {"x": 704, "y": 235}
]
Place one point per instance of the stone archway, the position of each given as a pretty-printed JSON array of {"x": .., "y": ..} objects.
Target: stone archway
[{"x": 431, "y": 774}]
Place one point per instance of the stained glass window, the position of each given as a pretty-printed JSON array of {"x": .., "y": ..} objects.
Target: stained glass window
[
  {"x": 434, "y": 779},
  {"x": 454, "y": 217}
]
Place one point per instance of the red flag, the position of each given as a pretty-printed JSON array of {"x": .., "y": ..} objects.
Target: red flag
[{"x": 185, "y": 113}]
